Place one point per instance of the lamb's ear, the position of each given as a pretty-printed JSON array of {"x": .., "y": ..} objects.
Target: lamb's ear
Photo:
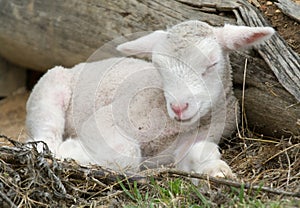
[
  {"x": 143, "y": 45},
  {"x": 233, "y": 37}
]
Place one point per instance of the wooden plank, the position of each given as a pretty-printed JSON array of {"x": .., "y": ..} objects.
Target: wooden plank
[
  {"x": 289, "y": 8},
  {"x": 284, "y": 62}
]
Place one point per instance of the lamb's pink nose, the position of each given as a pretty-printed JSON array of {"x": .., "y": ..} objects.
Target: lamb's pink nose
[{"x": 179, "y": 108}]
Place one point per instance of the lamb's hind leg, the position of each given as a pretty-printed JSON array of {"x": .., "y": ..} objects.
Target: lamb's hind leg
[
  {"x": 46, "y": 108},
  {"x": 101, "y": 142}
]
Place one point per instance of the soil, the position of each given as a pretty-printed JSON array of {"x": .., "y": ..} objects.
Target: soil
[
  {"x": 288, "y": 28},
  {"x": 12, "y": 112}
]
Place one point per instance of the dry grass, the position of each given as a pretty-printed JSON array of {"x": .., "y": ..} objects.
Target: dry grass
[
  {"x": 275, "y": 162},
  {"x": 268, "y": 169}
]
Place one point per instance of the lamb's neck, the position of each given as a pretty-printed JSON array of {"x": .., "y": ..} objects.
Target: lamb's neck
[{"x": 227, "y": 79}]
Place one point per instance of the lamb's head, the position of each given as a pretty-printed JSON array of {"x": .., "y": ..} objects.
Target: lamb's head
[{"x": 192, "y": 58}]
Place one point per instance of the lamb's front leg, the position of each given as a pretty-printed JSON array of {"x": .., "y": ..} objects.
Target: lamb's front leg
[{"x": 204, "y": 157}]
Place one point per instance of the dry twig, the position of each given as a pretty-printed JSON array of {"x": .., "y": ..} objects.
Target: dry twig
[{"x": 228, "y": 182}]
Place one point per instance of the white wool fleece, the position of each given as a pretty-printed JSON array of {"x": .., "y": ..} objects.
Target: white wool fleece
[{"x": 124, "y": 112}]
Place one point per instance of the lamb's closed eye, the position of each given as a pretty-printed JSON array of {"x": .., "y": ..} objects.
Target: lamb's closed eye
[{"x": 209, "y": 69}]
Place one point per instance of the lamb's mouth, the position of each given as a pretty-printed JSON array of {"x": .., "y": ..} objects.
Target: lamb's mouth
[
  {"x": 186, "y": 120},
  {"x": 183, "y": 120}
]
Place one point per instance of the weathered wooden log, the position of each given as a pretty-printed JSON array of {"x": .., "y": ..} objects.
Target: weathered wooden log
[
  {"x": 269, "y": 108},
  {"x": 41, "y": 34},
  {"x": 290, "y": 9},
  {"x": 285, "y": 64},
  {"x": 283, "y": 61}
]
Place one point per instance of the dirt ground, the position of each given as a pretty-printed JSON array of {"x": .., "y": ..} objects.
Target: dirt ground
[
  {"x": 288, "y": 28},
  {"x": 13, "y": 110}
]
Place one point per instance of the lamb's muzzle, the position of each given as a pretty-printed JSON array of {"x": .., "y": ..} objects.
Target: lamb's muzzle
[{"x": 179, "y": 109}]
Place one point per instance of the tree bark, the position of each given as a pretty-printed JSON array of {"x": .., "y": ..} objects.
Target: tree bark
[{"x": 41, "y": 34}]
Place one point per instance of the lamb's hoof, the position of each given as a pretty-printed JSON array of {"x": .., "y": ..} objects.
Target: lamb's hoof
[
  {"x": 214, "y": 168},
  {"x": 218, "y": 168},
  {"x": 41, "y": 148},
  {"x": 223, "y": 173}
]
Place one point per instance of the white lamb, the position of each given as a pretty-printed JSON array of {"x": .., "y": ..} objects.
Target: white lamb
[{"x": 124, "y": 112}]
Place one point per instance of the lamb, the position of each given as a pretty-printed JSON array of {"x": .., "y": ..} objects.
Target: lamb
[{"x": 126, "y": 112}]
